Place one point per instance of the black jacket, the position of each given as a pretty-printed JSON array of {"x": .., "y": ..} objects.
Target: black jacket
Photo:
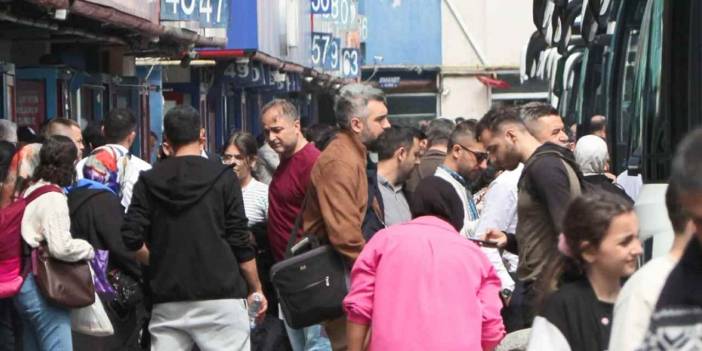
[
  {"x": 600, "y": 182},
  {"x": 96, "y": 216},
  {"x": 189, "y": 212}
]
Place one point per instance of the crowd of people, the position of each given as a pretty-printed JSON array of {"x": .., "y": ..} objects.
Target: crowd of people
[{"x": 505, "y": 233}]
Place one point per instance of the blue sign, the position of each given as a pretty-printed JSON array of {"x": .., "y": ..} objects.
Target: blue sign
[
  {"x": 350, "y": 62},
  {"x": 326, "y": 51},
  {"x": 247, "y": 75},
  {"x": 209, "y": 13},
  {"x": 333, "y": 57},
  {"x": 321, "y": 6}
]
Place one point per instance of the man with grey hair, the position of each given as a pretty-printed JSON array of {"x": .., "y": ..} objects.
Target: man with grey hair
[
  {"x": 8, "y": 131},
  {"x": 338, "y": 193},
  {"x": 544, "y": 123},
  {"x": 438, "y": 134}
]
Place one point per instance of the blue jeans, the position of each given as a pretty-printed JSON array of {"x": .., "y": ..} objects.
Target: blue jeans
[
  {"x": 44, "y": 326},
  {"x": 308, "y": 339}
]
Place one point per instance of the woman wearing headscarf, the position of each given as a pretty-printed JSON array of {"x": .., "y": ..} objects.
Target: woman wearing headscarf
[
  {"x": 592, "y": 156},
  {"x": 96, "y": 216},
  {"x": 422, "y": 286}
]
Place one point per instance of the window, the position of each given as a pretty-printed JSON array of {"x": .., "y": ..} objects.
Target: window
[{"x": 410, "y": 109}]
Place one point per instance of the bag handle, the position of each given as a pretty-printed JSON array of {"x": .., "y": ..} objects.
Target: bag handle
[
  {"x": 291, "y": 247},
  {"x": 44, "y": 189}
]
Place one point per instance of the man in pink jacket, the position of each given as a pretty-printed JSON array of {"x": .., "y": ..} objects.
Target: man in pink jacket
[{"x": 421, "y": 286}]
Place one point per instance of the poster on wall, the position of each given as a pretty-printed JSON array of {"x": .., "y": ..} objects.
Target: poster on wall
[{"x": 31, "y": 103}]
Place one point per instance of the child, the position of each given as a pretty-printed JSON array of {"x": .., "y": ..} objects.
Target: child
[{"x": 600, "y": 246}]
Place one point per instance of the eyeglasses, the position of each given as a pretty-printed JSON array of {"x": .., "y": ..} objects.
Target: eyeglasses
[
  {"x": 229, "y": 159},
  {"x": 480, "y": 156}
]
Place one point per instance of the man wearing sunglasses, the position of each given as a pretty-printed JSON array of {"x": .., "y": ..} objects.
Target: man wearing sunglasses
[{"x": 465, "y": 160}]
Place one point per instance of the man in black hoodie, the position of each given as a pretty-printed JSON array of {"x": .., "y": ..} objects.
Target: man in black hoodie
[
  {"x": 187, "y": 224},
  {"x": 550, "y": 180}
]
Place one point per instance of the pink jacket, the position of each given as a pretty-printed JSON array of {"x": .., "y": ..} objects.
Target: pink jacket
[{"x": 421, "y": 286}]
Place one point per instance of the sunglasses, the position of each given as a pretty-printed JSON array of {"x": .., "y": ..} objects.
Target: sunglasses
[{"x": 480, "y": 156}]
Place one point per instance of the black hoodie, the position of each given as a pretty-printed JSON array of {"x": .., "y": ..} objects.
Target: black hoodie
[
  {"x": 96, "y": 216},
  {"x": 190, "y": 214}
]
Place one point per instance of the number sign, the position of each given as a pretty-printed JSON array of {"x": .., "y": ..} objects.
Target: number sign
[{"x": 209, "y": 13}]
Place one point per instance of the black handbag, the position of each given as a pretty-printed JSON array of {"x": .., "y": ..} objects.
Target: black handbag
[
  {"x": 311, "y": 282},
  {"x": 128, "y": 291}
]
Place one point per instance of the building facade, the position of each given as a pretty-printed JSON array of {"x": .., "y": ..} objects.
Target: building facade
[{"x": 457, "y": 54}]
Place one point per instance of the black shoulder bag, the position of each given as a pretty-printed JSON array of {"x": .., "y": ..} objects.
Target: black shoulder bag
[{"x": 311, "y": 281}]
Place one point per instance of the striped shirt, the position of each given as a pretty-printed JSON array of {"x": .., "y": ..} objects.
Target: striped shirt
[{"x": 255, "y": 201}]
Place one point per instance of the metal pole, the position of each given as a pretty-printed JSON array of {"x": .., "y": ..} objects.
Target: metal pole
[{"x": 464, "y": 28}]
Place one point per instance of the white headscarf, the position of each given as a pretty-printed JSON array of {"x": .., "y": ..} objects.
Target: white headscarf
[{"x": 592, "y": 155}]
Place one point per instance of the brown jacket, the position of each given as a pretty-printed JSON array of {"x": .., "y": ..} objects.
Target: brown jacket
[
  {"x": 338, "y": 194},
  {"x": 427, "y": 166}
]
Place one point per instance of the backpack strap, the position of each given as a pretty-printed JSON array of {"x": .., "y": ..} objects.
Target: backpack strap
[
  {"x": 26, "y": 250},
  {"x": 44, "y": 189}
]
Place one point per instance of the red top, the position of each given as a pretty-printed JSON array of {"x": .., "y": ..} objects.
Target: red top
[{"x": 285, "y": 195}]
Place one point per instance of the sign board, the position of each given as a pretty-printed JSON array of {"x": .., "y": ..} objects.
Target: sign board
[
  {"x": 145, "y": 9},
  {"x": 338, "y": 30},
  {"x": 247, "y": 75},
  {"x": 31, "y": 103},
  {"x": 350, "y": 62},
  {"x": 319, "y": 7},
  {"x": 209, "y": 13},
  {"x": 389, "y": 82}
]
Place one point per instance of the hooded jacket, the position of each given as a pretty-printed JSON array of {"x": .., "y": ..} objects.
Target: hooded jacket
[
  {"x": 96, "y": 216},
  {"x": 189, "y": 212}
]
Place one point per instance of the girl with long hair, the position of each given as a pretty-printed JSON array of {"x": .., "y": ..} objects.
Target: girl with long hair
[{"x": 599, "y": 247}]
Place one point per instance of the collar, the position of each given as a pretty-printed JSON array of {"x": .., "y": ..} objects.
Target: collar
[
  {"x": 692, "y": 257},
  {"x": 434, "y": 153},
  {"x": 87, "y": 183},
  {"x": 119, "y": 147},
  {"x": 459, "y": 178},
  {"x": 383, "y": 181},
  {"x": 352, "y": 138}
]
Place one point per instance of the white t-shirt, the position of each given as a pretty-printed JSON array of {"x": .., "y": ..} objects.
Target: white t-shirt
[
  {"x": 255, "y": 201},
  {"x": 636, "y": 302},
  {"x": 500, "y": 209}
]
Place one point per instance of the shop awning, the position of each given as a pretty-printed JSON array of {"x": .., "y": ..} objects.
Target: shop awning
[{"x": 99, "y": 11}]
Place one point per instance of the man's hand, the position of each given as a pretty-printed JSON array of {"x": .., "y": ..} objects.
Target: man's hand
[
  {"x": 496, "y": 236},
  {"x": 264, "y": 303}
]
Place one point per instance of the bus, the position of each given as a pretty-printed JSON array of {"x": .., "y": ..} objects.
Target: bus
[{"x": 638, "y": 62}]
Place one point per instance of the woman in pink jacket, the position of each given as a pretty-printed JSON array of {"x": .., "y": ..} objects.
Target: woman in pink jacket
[{"x": 421, "y": 286}]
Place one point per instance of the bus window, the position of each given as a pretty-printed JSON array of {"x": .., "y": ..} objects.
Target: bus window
[
  {"x": 626, "y": 97},
  {"x": 648, "y": 87}
]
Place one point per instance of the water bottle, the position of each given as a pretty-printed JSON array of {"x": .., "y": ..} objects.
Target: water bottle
[{"x": 253, "y": 309}]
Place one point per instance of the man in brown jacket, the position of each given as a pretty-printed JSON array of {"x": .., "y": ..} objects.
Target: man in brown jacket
[{"x": 338, "y": 191}]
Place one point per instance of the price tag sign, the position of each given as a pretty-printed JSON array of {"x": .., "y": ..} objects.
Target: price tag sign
[
  {"x": 350, "y": 62},
  {"x": 320, "y": 6},
  {"x": 209, "y": 13}
]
